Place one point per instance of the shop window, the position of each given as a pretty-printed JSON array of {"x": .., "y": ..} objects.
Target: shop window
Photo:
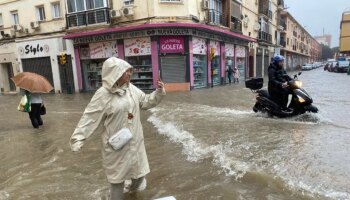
[
  {"x": 40, "y": 12},
  {"x": 15, "y": 18},
  {"x": 171, "y": 1},
  {"x": 128, "y": 2},
  {"x": 56, "y": 10},
  {"x": 236, "y": 10},
  {"x": 1, "y": 22},
  {"x": 143, "y": 73},
  {"x": 200, "y": 71}
]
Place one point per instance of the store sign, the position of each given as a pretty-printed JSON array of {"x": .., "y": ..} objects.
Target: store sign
[
  {"x": 34, "y": 49},
  {"x": 154, "y": 32},
  {"x": 199, "y": 46},
  {"x": 137, "y": 46},
  {"x": 172, "y": 44},
  {"x": 103, "y": 50},
  {"x": 240, "y": 51},
  {"x": 216, "y": 46},
  {"x": 229, "y": 50}
]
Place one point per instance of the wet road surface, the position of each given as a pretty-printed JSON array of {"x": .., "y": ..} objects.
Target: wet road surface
[{"x": 204, "y": 144}]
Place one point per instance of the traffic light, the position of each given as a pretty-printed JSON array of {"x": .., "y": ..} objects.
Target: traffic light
[
  {"x": 63, "y": 59},
  {"x": 212, "y": 53}
]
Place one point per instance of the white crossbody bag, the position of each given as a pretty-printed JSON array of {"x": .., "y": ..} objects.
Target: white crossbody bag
[{"x": 120, "y": 139}]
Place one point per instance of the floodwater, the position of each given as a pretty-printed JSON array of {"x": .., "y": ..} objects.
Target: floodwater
[{"x": 204, "y": 144}]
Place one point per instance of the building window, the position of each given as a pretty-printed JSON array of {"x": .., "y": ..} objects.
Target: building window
[
  {"x": 288, "y": 41},
  {"x": 171, "y": 1},
  {"x": 15, "y": 18},
  {"x": 83, "y": 5},
  {"x": 1, "y": 22},
  {"x": 56, "y": 10},
  {"x": 236, "y": 10},
  {"x": 40, "y": 11},
  {"x": 128, "y": 2},
  {"x": 215, "y": 12}
]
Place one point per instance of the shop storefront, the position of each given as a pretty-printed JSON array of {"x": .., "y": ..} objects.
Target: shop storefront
[
  {"x": 241, "y": 61},
  {"x": 42, "y": 57},
  {"x": 92, "y": 57},
  {"x": 179, "y": 53},
  {"x": 173, "y": 61},
  {"x": 8, "y": 66},
  {"x": 215, "y": 63},
  {"x": 229, "y": 59},
  {"x": 138, "y": 54},
  {"x": 200, "y": 69}
]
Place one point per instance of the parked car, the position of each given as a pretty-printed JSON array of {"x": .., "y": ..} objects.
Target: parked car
[
  {"x": 307, "y": 67},
  {"x": 342, "y": 66}
]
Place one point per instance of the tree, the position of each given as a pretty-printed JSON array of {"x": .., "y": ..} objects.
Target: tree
[{"x": 326, "y": 52}]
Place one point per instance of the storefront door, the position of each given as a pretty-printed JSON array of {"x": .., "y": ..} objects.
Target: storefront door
[
  {"x": 66, "y": 76},
  {"x": 259, "y": 62},
  {"x": 10, "y": 75},
  {"x": 40, "y": 66},
  {"x": 173, "y": 69}
]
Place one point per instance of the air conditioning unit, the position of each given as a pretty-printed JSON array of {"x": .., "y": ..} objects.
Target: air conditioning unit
[
  {"x": 246, "y": 22},
  {"x": 128, "y": 11},
  {"x": 257, "y": 26},
  {"x": 115, "y": 14},
  {"x": 34, "y": 25},
  {"x": 205, "y": 4},
  {"x": 172, "y": 19},
  {"x": 17, "y": 27}
]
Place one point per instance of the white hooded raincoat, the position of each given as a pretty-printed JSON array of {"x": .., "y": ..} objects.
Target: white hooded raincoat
[{"x": 110, "y": 108}]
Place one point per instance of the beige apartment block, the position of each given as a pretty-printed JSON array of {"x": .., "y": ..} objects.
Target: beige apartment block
[
  {"x": 345, "y": 34},
  {"x": 299, "y": 47},
  {"x": 31, "y": 34}
]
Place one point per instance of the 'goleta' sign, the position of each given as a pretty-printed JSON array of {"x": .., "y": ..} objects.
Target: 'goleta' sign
[{"x": 172, "y": 44}]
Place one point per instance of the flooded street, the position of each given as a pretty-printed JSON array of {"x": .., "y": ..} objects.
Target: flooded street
[{"x": 205, "y": 144}]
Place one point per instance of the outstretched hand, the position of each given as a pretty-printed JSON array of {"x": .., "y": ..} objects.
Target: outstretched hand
[{"x": 160, "y": 85}]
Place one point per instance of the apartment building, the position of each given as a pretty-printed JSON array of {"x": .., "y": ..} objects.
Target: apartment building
[
  {"x": 190, "y": 44},
  {"x": 170, "y": 38},
  {"x": 31, "y": 39},
  {"x": 345, "y": 34},
  {"x": 298, "y": 46}
]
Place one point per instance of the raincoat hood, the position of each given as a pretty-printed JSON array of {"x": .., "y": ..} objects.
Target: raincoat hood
[{"x": 113, "y": 68}]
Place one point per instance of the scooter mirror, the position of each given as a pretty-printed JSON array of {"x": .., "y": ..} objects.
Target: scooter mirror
[{"x": 299, "y": 73}]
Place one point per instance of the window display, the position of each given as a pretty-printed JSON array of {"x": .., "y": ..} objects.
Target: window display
[
  {"x": 200, "y": 71},
  {"x": 241, "y": 61},
  {"x": 143, "y": 74},
  {"x": 215, "y": 63},
  {"x": 92, "y": 74},
  {"x": 215, "y": 67},
  {"x": 200, "y": 67}
]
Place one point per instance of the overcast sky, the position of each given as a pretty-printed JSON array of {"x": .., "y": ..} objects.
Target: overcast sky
[{"x": 319, "y": 14}]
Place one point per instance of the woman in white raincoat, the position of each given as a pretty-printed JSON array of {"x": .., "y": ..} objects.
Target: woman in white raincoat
[{"x": 116, "y": 105}]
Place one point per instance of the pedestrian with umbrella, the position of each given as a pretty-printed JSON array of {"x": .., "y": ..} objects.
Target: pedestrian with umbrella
[{"x": 34, "y": 85}]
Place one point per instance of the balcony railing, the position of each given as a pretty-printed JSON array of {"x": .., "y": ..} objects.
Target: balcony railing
[
  {"x": 283, "y": 43},
  {"x": 236, "y": 25},
  {"x": 215, "y": 17},
  {"x": 89, "y": 17},
  {"x": 265, "y": 37},
  {"x": 282, "y": 23}
]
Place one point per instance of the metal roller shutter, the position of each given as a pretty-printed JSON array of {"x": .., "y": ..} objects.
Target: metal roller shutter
[
  {"x": 173, "y": 69},
  {"x": 40, "y": 66}
]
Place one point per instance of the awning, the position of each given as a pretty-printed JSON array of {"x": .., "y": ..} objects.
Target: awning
[{"x": 195, "y": 26}]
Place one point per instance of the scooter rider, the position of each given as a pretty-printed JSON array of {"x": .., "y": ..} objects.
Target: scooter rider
[{"x": 278, "y": 82}]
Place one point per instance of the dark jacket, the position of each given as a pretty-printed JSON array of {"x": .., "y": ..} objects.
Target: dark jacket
[
  {"x": 277, "y": 77},
  {"x": 229, "y": 71}
]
